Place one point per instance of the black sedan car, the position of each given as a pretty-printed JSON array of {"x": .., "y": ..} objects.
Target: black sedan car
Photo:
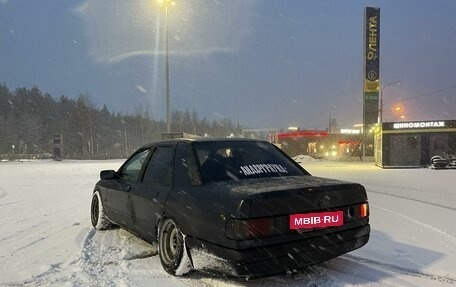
[{"x": 236, "y": 206}]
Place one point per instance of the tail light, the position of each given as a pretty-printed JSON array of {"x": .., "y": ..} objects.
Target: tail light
[
  {"x": 241, "y": 229},
  {"x": 364, "y": 210},
  {"x": 259, "y": 227}
]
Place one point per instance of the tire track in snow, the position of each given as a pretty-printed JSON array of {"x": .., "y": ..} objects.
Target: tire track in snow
[
  {"x": 109, "y": 258},
  {"x": 3, "y": 193},
  {"x": 417, "y": 222},
  {"x": 346, "y": 270},
  {"x": 125, "y": 260},
  {"x": 99, "y": 263},
  {"x": 369, "y": 189},
  {"x": 105, "y": 256},
  {"x": 54, "y": 274},
  {"x": 398, "y": 269},
  {"x": 116, "y": 258},
  {"x": 43, "y": 237}
]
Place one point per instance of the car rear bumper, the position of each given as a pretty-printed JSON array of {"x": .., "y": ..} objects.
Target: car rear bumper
[{"x": 278, "y": 258}]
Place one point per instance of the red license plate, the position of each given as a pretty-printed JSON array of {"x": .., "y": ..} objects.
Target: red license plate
[{"x": 316, "y": 220}]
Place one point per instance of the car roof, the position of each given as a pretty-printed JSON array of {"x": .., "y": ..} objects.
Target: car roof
[{"x": 199, "y": 139}]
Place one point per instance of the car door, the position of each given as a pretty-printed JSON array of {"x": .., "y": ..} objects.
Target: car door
[
  {"x": 149, "y": 195},
  {"x": 184, "y": 199},
  {"x": 118, "y": 195}
]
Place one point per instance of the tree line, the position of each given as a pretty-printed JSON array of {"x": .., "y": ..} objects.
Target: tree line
[{"x": 30, "y": 118}]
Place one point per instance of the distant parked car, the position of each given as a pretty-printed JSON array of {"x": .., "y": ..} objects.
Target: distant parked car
[
  {"x": 452, "y": 162},
  {"x": 439, "y": 162},
  {"x": 243, "y": 203}
]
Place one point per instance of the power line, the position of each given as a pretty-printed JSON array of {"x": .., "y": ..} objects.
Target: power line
[{"x": 429, "y": 94}]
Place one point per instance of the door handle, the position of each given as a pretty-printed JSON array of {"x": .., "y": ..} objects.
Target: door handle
[{"x": 127, "y": 188}]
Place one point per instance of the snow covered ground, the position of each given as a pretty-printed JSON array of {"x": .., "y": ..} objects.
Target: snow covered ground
[{"x": 46, "y": 238}]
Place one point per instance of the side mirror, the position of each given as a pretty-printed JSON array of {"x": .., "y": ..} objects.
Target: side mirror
[{"x": 108, "y": 175}]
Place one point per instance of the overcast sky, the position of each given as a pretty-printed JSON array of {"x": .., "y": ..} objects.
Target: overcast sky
[{"x": 266, "y": 63}]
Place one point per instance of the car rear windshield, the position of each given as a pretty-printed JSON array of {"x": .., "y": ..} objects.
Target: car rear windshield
[{"x": 235, "y": 160}]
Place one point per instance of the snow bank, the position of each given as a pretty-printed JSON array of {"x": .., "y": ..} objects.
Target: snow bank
[{"x": 304, "y": 158}]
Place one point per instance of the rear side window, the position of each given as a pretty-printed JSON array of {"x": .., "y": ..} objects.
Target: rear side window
[
  {"x": 159, "y": 171},
  {"x": 187, "y": 170},
  {"x": 235, "y": 160}
]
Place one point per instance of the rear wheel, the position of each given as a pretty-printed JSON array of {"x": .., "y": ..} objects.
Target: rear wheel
[
  {"x": 97, "y": 214},
  {"x": 172, "y": 251}
]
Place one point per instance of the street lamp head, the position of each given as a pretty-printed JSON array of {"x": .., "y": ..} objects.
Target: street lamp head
[
  {"x": 166, "y": 2},
  {"x": 380, "y": 109}
]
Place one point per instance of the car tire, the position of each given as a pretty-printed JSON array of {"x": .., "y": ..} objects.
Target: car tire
[
  {"x": 97, "y": 213},
  {"x": 173, "y": 253}
]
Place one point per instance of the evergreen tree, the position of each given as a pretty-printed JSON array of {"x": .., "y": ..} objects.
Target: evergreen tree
[{"x": 29, "y": 119}]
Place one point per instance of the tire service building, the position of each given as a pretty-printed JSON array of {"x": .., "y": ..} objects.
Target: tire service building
[{"x": 412, "y": 144}]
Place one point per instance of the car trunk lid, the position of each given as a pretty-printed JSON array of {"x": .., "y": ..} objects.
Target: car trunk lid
[{"x": 289, "y": 195}]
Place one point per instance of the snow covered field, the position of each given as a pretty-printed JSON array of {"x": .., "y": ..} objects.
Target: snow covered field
[{"x": 46, "y": 238}]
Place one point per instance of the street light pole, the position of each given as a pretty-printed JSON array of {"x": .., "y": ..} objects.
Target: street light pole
[
  {"x": 168, "y": 108},
  {"x": 330, "y": 126},
  {"x": 126, "y": 142},
  {"x": 380, "y": 114},
  {"x": 330, "y": 120},
  {"x": 125, "y": 136}
]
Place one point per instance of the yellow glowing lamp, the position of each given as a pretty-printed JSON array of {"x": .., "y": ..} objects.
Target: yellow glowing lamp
[
  {"x": 364, "y": 210},
  {"x": 166, "y": 2}
]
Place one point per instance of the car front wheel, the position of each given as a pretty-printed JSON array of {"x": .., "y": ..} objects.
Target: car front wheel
[
  {"x": 97, "y": 213},
  {"x": 172, "y": 251}
]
